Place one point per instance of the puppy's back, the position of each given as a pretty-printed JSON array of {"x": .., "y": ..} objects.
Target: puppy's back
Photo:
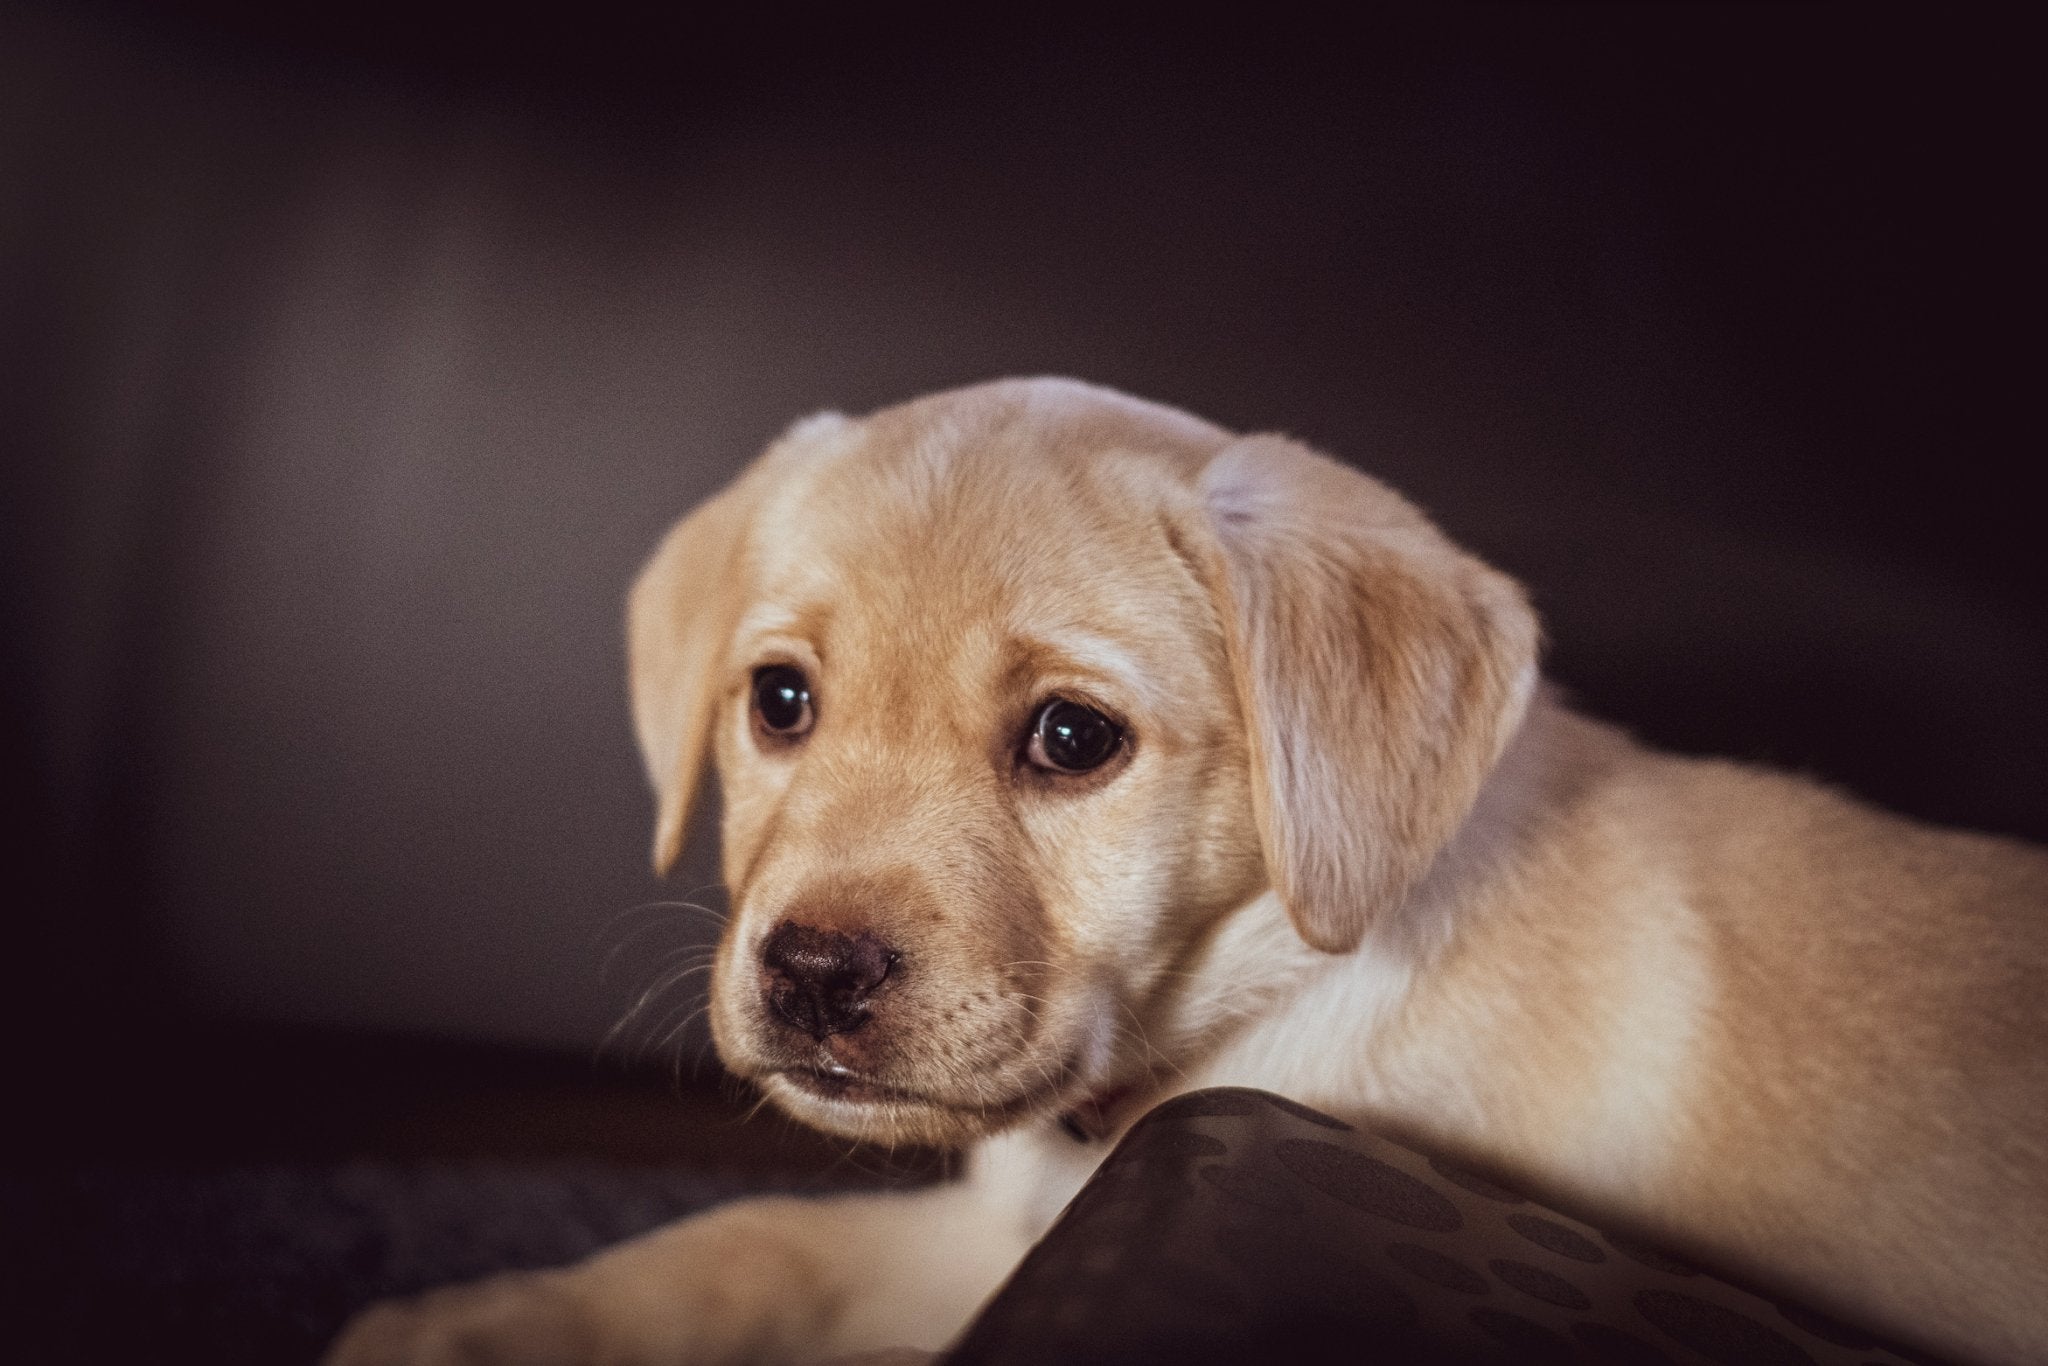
[{"x": 1874, "y": 1048}]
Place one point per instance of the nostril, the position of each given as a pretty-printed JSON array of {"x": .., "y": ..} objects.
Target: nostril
[
  {"x": 868, "y": 965},
  {"x": 819, "y": 980}
]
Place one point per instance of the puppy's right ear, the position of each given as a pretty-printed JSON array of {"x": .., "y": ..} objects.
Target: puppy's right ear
[
  {"x": 680, "y": 619},
  {"x": 1380, "y": 670}
]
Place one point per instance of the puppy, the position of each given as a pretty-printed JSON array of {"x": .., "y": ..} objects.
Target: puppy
[{"x": 1076, "y": 752}]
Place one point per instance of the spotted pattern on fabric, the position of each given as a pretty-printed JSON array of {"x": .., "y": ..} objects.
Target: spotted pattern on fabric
[
  {"x": 1552, "y": 1236},
  {"x": 1299, "y": 1111},
  {"x": 1823, "y": 1327},
  {"x": 1436, "y": 1268},
  {"x": 1252, "y": 1188},
  {"x": 1475, "y": 1183},
  {"x": 1233, "y": 1226},
  {"x": 1368, "y": 1184},
  {"x": 1530, "y": 1340},
  {"x": 1719, "y": 1333},
  {"x": 1654, "y": 1258}
]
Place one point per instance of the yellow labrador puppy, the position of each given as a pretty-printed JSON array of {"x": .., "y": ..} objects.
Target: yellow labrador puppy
[{"x": 1076, "y": 752}]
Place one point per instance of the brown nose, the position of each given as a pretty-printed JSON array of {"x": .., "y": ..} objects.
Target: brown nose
[{"x": 820, "y": 980}]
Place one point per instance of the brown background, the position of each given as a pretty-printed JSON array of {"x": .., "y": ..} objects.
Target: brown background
[{"x": 349, "y": 365}]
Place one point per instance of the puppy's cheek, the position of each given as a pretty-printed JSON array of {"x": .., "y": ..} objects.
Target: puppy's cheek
[
  {"x": 725, "y": 1039},
  {"x": 735, "y": 1017}
]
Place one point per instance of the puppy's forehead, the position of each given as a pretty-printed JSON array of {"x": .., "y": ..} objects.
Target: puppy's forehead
[{"x": 938, "y": 532}]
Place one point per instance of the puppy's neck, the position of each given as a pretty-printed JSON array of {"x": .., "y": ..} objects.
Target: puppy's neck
[
  {"x": 1251, "y": 962},
  {"x": 1532, "y": 780}
]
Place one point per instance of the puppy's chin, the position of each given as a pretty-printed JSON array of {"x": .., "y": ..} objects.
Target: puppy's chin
[{"x": 859, "y": 1109}]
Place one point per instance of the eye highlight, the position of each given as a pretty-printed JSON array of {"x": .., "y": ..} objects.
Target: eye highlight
[
  {"x": 782, "y": 701},
  {"x": 1067, "y": 737}
]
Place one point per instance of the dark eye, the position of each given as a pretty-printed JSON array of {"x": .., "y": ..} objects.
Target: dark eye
[
  {"x": 782, "y": 700},
  {"x": 1067, "y": 737}
]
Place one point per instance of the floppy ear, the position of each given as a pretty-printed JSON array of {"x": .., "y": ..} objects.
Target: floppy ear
[
  {"x": 1380, "y": 669},
  {"x": 680, "y": 618}
]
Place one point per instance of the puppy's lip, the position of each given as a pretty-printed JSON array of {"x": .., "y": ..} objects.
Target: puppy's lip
[
  {"x": 842, "y": 1084},
  {"x": 847, "y": 1087}
]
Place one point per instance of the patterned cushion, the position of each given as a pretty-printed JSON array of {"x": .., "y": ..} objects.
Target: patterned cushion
[{"x": 1236, "y": 1226}]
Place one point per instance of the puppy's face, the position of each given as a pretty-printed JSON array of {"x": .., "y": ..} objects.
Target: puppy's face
[
  {"x": 982, "y": 773},
  {"x": 975, "y": 681}
]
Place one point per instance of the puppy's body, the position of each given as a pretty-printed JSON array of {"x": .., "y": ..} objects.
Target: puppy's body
[
  {"x": 1345, "y": 850},
  {"x": 1739, "y": 1012}
]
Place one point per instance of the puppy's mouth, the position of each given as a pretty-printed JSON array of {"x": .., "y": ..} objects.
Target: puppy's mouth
[
  {"x": 843, "y": 1084},
  {"x": 875, "y": 1088}
]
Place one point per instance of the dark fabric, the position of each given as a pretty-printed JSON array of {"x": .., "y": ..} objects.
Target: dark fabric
[
  {"x": 1228, "y": 1226},
  {"x": 1235, "y": 1226},
  {"x": 263, "y": 1264}
]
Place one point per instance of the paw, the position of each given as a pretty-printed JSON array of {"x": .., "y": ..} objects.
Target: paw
[{"x": 516, "y": 1320}]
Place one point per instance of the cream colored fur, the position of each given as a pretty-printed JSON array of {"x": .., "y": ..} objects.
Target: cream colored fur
[{"x": 1353, "y": 854}]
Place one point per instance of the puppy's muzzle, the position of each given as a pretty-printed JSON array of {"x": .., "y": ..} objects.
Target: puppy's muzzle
[{"x": 821, "y": 981}]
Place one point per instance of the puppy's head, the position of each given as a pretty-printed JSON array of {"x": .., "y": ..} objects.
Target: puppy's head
[{"x": 1017, "y": 691}]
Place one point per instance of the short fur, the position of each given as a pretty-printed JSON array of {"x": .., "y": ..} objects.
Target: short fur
[{"x": 1353, "y": 853}]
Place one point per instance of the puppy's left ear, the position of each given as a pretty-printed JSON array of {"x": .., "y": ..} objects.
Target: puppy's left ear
[
  {"x": 680, "y": 619},
  {"x": 1380, "y": 670}
]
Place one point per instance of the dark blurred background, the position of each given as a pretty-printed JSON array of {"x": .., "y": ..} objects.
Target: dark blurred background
[{"x": 352, "y": 359}]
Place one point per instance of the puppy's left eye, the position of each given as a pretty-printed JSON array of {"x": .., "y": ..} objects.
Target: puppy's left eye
[
  {"x": 1067, "y": 737},
  {"x": 782, "y": 701}
]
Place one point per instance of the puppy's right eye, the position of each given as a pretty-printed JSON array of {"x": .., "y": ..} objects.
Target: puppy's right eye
[
  {"x": 1067, "y": 737},
  {"x": 782, "y": 701}
]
